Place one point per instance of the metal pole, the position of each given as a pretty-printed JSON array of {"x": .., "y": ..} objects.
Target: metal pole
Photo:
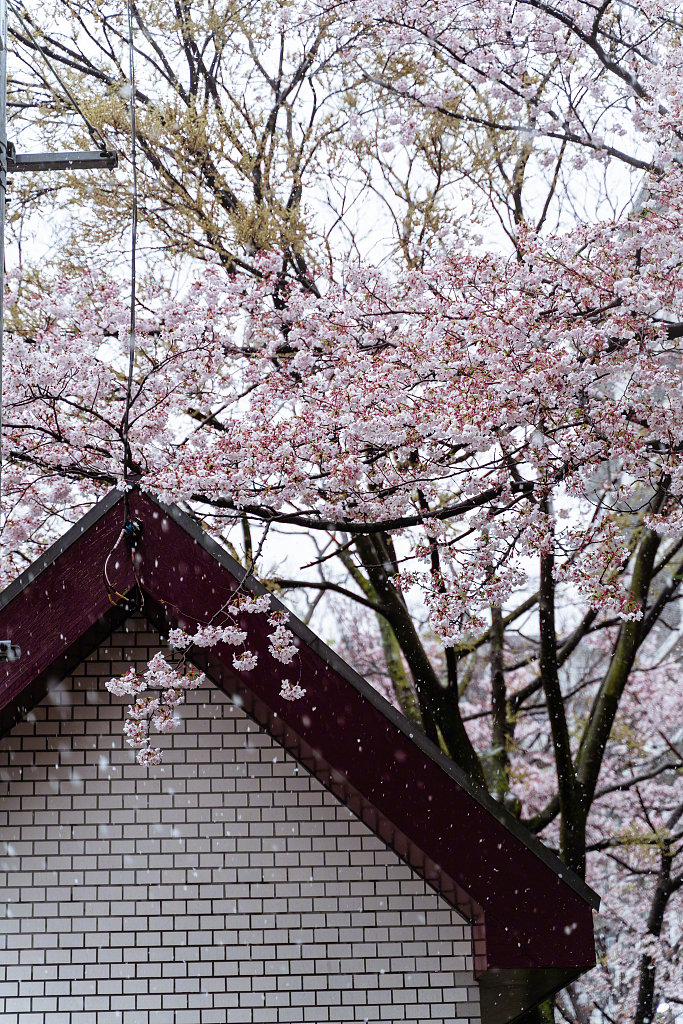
[{"x": 3, "y": 188}]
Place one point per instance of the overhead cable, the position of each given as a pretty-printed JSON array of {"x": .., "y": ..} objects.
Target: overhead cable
[{"x": 125, "y": 427}]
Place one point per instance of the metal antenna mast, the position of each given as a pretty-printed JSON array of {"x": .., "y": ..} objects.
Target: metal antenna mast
[{"x": 10, "y": 163}]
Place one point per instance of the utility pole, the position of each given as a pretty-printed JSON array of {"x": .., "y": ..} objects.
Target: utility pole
[{"x": 10, "y": 163}]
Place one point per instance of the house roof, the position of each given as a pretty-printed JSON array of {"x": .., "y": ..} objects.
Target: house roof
[{"x": 531, "y": 916}]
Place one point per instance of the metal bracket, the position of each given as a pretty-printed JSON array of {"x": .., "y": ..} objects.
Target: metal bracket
[
  {"x": 80, "y": 161},
  {"x": 132, "y": 532},
  {"x": 9, "y": 651}
]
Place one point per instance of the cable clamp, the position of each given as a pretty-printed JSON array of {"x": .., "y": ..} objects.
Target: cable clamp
[
  {"x": 132, "y": 532},
  {"x": 9, "y": 651}
]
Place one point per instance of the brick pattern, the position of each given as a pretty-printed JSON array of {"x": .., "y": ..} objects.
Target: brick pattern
[{"x": 226, "y": 885}]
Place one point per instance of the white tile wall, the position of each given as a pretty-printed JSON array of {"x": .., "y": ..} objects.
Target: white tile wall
[{"x": 225, "y": 886}]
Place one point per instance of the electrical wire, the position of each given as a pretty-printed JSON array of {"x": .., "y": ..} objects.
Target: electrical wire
[
  {"x": 3, "y": 186},
  {"x": 129, "y": 526},
  {"x": 93, "y": 131},
  {"x": 125, "y": 426}
]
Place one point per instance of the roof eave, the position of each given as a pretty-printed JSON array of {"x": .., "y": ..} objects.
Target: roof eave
[{"x": 65, "y": 586}]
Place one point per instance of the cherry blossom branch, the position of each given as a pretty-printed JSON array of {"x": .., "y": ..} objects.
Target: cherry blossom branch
[
  {"x": 625, "y": 784},
  {"x": 605, "y": 705},
  {"x": 326, "y": 586},
  {"x": 356, "y": 527}
]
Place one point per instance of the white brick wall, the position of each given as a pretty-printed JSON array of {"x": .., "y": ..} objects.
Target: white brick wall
[{"x": 225, "y": 886}]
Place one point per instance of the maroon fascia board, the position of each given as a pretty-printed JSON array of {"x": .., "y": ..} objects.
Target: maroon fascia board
[
  {"x": 57, "y": 601},
  {"x": 532, "y": 916}
]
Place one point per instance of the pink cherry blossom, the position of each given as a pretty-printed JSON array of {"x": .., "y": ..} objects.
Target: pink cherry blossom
[
  {"x": 148, "y": 756},
  {"x": 245, "y": 662},
  {"x": 291, "y": 691},
  {"x": 136, "y": 732}
]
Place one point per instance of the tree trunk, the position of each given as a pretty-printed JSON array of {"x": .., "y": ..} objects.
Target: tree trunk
[
  {"x": 502, "y": 726},
  {"x": 543, "y": 1014},
  {"x": 645, "y": 1003},
  {"x": 438, "y": 702}
]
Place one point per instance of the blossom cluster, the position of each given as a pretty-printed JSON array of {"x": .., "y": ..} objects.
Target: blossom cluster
[
  {"x": 158, "y": 712},
  {"x": 291, "y": 691},
  {"x": 281, "y": 645},
  {"x": 484, "y": 409},
  {"x": 147, "y": 711}
]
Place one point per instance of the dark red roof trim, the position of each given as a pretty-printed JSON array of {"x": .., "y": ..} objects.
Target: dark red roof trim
[{"x": 532, "y": 919}]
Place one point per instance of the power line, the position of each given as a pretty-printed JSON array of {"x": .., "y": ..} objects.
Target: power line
[
  {"x": 131, "y": 529},
  {"x": 133, "y": 252},
  {"x": 3, "y": 191}
]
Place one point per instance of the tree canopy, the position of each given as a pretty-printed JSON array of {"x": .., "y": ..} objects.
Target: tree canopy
[{"x": 428, "y": 311}]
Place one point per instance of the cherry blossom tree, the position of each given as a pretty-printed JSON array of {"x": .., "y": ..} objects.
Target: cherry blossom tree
[
  {"x": 494, "y": 438},
  {"x": 483, "y": 439},
  {"x": 274, "y": 124}
]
